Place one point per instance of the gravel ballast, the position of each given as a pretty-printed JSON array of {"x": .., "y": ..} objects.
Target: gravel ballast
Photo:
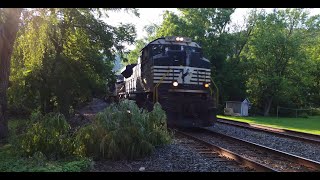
[
  {"x": 296, "y": 147},
  {"x": 176, "y": 157}
]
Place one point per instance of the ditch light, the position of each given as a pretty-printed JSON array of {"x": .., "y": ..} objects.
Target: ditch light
[{"x": 175, "y": 83}]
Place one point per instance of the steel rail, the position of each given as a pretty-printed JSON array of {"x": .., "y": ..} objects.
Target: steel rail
[
  {"x": 300, "y": 160},
  {"x": 229, "y": 154}
]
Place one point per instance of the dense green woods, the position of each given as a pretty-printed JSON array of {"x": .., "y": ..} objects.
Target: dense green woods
[
  {"x": 272, "y": 58},
  {"x": 63, "y": 57}
]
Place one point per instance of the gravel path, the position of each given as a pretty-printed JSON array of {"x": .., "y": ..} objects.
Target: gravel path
[
  {"x": 296, "y": 147},
  {"x": 89, "y": 111},
  {"x": 176, "y": 157},
  {"x": 95, "y": 106}
]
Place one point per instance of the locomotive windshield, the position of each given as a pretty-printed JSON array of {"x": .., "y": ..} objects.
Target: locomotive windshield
[{"x": 164, "y": 48}]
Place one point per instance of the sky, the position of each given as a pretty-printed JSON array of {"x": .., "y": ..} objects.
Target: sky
[
  {"x": 154, "y": 15},
  {"x": 147, "y": 16}
]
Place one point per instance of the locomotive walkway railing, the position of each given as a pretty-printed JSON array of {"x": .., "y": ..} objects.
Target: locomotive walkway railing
[
  {"x": 217, "y": 94},
  {"x": 155, "y": 89}
]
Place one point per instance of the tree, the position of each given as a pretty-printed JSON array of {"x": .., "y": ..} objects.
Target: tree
[
  {"x": 312, "y": 49},
  {"x": 8, "y": 31},
  {"x": 73, "y": 59},
  {"x": 274, "y": 56},
  {"x": 133, "y": 56},
  {"x": 61, "y": 57}
]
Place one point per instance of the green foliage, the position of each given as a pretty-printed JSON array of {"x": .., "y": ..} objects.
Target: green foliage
[
  {"x": 63, "y": 57},
  {"x": 316, "y": 112},
  {"x": 12, "y": 162},
  {"x": 303, "y": 115},
  {"x": 277, "y": 64},
  {"x": 123, "y": 131},
  {"x": 206, "y": 26},
  {"x": 133, "y": 56},
  {"x": 47, "y": 135}
]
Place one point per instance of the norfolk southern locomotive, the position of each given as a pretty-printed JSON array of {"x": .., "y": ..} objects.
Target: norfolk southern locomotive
[{"x": 173, "y": 72}]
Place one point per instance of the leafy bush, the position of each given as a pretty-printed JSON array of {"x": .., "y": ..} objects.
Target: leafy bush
[
  {"x": 303, "y": 115},
  {"x": 156, "y": 124},
  {"x": 123, "y": 131},
  {"x": 16, "y": 127},
  {"x": 48, "y": 135},
  {"x": 316, "y": 112},
  {"x": 12, "y": 162}
]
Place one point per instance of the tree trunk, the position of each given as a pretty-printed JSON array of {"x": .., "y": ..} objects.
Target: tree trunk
[
  {"x": 267, "y": 106},
  {"x": 8, "y": 31}
]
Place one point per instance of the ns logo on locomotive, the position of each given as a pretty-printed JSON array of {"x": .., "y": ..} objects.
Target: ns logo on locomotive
[{"x": 171, "y": 71}]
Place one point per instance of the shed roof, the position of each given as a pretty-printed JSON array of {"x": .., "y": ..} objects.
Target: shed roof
[{"x": 233, "y": 102}]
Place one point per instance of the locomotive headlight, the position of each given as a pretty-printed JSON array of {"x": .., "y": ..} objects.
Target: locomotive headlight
[
  {"x": 175, "y": 83},
  {"x": 179, "y": 38},
  {"x": 206, "y": 85}
]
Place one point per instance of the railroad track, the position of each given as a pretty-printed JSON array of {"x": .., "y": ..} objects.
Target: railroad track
[
  {"x": 258, "y": 157},
  {"x": 208, "y": 149},
  {"x": 211, "y": 154},
  {"x": 315, "y": 139}
]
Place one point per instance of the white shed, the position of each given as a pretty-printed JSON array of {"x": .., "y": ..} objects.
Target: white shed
[
  {"x": 245, "y": 106},
  {"x": 238, "y": 107}
]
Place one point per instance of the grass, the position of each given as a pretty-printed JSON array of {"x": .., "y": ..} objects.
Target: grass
[
  {"x": 10, "y": 161},
  {"x": 307, "y": 125}
]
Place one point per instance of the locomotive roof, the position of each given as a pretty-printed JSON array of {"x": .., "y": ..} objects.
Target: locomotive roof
[{"x": 163, "y": 40}]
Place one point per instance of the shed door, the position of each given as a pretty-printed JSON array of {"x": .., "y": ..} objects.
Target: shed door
[{"x": 244, "y": 109}]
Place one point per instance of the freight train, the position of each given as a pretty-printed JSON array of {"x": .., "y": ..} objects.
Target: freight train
[{"x": 172, "y": 71}]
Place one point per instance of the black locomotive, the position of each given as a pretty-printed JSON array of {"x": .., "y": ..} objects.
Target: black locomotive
[{"x": 173, "y": 72}]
